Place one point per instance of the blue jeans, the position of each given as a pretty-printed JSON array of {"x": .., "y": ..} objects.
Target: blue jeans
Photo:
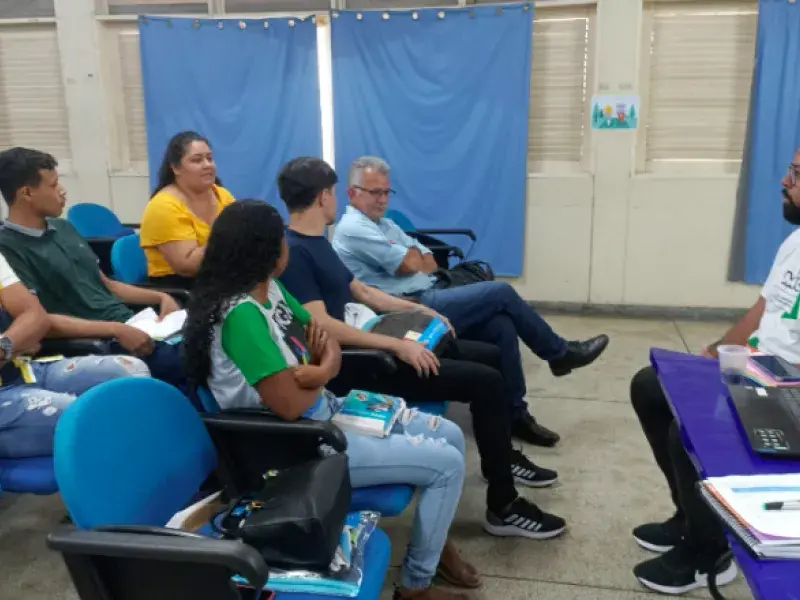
[
  {"x": 29, "y": 412},
  {"x": 494, "y": 312},
  {"x": 427, "y": 452}
]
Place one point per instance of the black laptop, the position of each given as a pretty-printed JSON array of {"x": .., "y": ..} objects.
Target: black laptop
[{"x": 770, "y": 418}]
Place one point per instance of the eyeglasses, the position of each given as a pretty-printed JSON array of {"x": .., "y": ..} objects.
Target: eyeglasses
[
  {"x": 794, "y": 174},
  {"x": 376, "y": 193}
]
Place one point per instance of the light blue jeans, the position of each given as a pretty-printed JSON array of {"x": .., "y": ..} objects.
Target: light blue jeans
[
  {"x": 29, "y": 412},
  {"x": 427, "y": 452}
]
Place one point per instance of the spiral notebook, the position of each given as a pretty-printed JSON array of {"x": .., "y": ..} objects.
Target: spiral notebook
[{"x": 739, "y": 501}]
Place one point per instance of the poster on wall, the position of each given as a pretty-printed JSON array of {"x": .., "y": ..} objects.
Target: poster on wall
[{"x": 615, "y": 112}]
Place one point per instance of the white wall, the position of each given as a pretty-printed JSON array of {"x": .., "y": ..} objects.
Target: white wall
[
  {"x": 617, "y": 237},
  {"x": 605, "y": 236}
]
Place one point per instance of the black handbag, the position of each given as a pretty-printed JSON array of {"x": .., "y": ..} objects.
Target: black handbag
[
  {"x": 431, "y": 332},
  {"x": 464, "y": 273},
  {"x": 297, "y": 518}
]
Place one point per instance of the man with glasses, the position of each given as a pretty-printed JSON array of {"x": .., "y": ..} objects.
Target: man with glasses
[
  {"x": 381, "y": 255},
  {"x": 692, "y": 541}
]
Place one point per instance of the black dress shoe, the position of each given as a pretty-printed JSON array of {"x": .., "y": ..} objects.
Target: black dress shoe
[
  {"x": 579, "y": 354},
  {"x": 526, "y": 429}
]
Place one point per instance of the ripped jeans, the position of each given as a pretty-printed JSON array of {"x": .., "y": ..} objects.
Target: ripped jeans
[
  {"x": 29, "y": 412},
  {"x": 427, "y": 452}
]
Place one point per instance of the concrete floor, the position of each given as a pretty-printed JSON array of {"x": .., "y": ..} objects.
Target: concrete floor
[{"x": 609, "y": 484}]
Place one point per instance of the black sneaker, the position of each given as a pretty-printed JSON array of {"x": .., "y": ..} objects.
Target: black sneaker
[
  {"x": 524, "y": 519},
  {"x": 659, "y": 537},
  {"x": 525, "y": 428},
  {"x": 679, "y": 571},
  {"x": 528, "y": 474}
]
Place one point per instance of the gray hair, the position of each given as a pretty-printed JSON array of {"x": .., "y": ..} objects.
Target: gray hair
[{"x": 367, "y": 163}]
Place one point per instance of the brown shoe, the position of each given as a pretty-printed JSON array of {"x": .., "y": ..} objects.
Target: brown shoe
[
  {"x": 456, "y": 571},
  {"x": 429, "y": 593}
]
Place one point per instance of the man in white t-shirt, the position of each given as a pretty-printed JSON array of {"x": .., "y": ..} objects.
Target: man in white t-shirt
[
  {"x": 34, "y": 394},
  {"x": 692, "y": 540}
]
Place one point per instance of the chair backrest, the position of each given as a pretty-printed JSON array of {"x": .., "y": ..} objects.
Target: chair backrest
[
  {"x": 207, "y": 401},
  {"x": 95, "y": 221},
  {"x": 128, "y": 260},
  {"x": 402, "y": 221},
  {"x": 131, "y": 452}
]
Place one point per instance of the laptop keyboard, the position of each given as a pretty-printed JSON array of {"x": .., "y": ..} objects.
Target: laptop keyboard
[{"x": 790, "y": 398}]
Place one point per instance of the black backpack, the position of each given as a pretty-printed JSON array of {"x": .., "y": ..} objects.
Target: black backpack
[{"x": 464, "y": 273}]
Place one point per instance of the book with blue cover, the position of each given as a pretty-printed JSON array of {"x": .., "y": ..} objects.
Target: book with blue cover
[
  {"x": 417, "y": 326},
  {"x": 369, "y": 413}
]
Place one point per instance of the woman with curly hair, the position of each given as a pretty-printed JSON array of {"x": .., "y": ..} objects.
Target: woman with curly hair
[{"x": 254, "y": 345}]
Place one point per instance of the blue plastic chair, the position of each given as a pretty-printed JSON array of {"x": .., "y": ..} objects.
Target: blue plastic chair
[
  {"x": 128, "y": 260},
  {"x": 389, "y": 500},
  {"x": 128, "y": 455},
  {"x": 442, "y": 251},
  {"x": 96, "y": 221},
  {"x": 401, "y": 220},
  {"x": 28, "y": 475}
]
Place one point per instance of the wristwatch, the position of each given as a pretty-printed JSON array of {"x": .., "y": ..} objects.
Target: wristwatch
[{"x": 6, "y": 348}]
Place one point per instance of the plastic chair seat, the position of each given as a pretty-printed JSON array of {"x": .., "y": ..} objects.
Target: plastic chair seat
[
  {"x": 389, "y": 500},
  {"x": 28, "y": 475},
  {"x": 378, "y": 552}
]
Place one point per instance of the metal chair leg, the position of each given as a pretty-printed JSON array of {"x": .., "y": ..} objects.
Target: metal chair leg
[{"x": 712, "y": 577}]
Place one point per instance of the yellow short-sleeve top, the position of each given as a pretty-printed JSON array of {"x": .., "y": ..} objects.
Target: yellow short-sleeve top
[{"x": 167, "y": 219}]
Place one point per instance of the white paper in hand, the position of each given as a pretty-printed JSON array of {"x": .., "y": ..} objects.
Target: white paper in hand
[{"x": 147, "y": 321}]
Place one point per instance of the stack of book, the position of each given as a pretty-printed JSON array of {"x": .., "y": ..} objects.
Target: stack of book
[
  {"x": 763, "y": 511},
  {"x": 369, "y": 414},
  {"x": 762, "y": 378}
]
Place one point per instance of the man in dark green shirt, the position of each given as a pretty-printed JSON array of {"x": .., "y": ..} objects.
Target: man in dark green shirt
[{"x": 56, "y": 263}]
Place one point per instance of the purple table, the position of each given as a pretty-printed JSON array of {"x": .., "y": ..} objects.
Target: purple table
[{"x": 717, "y": 446}]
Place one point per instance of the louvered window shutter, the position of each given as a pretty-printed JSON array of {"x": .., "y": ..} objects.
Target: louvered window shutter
[
  {"x": 33, "y": 110},
  {"x": 560, "y": 72},
  {"x": 700, "y": 58}
]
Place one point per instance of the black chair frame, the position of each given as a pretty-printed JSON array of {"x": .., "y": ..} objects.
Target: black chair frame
[{"x": 154, "y": 563}]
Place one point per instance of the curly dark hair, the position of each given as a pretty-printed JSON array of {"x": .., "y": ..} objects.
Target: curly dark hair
[{"x": 243, "y": 250}]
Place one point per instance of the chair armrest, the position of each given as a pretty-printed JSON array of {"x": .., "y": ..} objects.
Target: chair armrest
[
  {"x": 251, "y": 442},
  {"x": 372, "y": 360},
  {"x": 260, "y": 421},
  {"x": 161, "y": 544},
  {"x": 74, "y": 347},
  {"x": 465, "y": 232},
  {"x": 132, "y": 225},
  {"x": 451, "y": 250}
]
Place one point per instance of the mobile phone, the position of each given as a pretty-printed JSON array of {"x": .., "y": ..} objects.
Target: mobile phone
[{"x": 782, "y": 370}]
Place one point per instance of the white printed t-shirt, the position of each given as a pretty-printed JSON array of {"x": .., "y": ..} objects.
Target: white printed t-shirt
[
  {"x": 7, "y": 275},
  {"x": 779, "y": 330}
]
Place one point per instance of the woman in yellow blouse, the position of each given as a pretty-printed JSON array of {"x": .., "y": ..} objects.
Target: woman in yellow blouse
[{"x": 184, "y": 206}]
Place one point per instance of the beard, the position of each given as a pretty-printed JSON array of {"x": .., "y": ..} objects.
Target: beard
[{"x": 791, "y": 212}]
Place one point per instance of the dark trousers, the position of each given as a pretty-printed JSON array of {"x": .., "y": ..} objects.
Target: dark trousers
[
  {"x": 704, "y": 533},
  {"x": 494, "y": 312},
  {"x": 165, "y": 363},
  {"x": 474, "y": 378}
]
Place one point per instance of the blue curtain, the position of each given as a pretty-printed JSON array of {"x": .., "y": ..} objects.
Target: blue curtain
[
  {"x": 775, "y": 132},
  {"x": 251, "y": 89},
  {"x": 444, "y": 98}
]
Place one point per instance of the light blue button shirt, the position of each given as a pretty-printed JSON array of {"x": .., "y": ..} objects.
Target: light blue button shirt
[{"x": 374, "y": 251}]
